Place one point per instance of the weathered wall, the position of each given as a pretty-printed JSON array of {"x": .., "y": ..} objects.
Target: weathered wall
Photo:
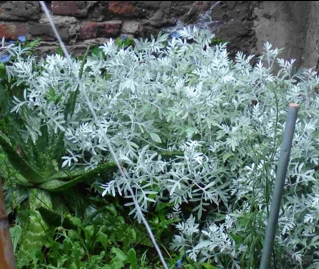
[
  {"x": 89, "y": 22},
  {"x": 310, "y": 55},
  {"x": 92, "y": 22},
  {"x": 284, "y": 24},
  {"x": 293, "y": 25},
  {"x": 237, "y": 24}
]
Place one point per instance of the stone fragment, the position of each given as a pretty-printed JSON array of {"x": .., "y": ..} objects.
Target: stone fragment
[
  {"x": 149, "y": 4},
  {"x": 130, "y": 27},
  {"x": 100, "y": 12},
  {"x": 19, "y": 10},
  {"x": 60, "y": 20},
  {"x": 46, "y": 33}
]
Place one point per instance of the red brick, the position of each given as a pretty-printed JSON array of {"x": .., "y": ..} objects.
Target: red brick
[
  {"x": 12, "y": 31},
  {"x": 92, "y": 30},
  {"x": 121, "y": 8},
  {"x": 109, "y": 29},
  {"x": 89, "y": 30},
  {"x": 69, "y": 8}
]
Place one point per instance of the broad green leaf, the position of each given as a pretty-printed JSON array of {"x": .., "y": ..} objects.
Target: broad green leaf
[
  {"x": 15, "y": 233},
  {"x": 190, "y": 266},
  {"x": 15, "y": 127},
  {"x": 8, "y": 172},
  {"x": 60, "y": 51},
  {"x": 14, "y": 197},
  {"x": 237, "y": 238},
  {"x": 54, "y": 219},
  {"x": 120, "y": 255},
  {"x": 66, "y": 174},
  {"x": 103, "y": 238},
  {"x": 131, "y": 258},
  {"x": 58, "y": 185},
  {"x": 20, "y": 164},
  {"x": 155, "y": 137},
  {"x": 55, "y": 185},
  {"x": 209, "y": 266},
  {"x": 38, "y": 197},
  {"x": 88, "y": 232},
  {"x": 33, "y": 43},
  {"x": 226, "y": 156},
  {"x": 170, "y": 154},
  {"x": 34, "y": 238}
]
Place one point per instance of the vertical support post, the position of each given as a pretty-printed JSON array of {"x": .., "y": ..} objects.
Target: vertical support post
[
  {"x": 7, "y": 260},
  {"x": 279, "y": 186}
]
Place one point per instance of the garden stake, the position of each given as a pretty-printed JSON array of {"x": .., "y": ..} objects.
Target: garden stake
[
  {"x": 7, "y": 260},
  {"x": 279, "y": 186}
]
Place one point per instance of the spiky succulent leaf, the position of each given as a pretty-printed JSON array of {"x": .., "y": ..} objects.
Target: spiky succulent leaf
[
  {"x": 59, "y": 185},
  {"x": 19, "y": 163},
  {"x": 53, "y": 219}
]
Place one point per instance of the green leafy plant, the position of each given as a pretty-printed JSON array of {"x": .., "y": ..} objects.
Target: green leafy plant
[
  {"x": 103, "y": 239},
  {"x": 124, "y": 41},
  {"x": 217, "y": 41},
  {"x": 31, "y": 168}
]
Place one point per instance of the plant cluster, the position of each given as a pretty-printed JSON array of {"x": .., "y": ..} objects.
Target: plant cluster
[{"x": 195, "y": 131}]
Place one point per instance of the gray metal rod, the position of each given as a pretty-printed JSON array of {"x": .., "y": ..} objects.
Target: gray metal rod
[{"x": 279, "y": 186}]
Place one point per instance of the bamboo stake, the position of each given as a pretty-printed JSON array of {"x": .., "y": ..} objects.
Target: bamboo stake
[
  {"x": 7, "y": 260},
  {"x": 279, "y": 186}
]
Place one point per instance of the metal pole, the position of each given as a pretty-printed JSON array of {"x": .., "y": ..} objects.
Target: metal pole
[
  {"x": 7, "y": 260},
  {"x": 279, "y": 186}
]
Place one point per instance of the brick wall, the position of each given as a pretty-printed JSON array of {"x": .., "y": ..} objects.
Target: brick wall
[{"x": 81, "y": 23}]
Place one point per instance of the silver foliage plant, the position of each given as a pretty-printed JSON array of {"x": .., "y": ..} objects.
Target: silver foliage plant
[{"x": 223, "y": 117}]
